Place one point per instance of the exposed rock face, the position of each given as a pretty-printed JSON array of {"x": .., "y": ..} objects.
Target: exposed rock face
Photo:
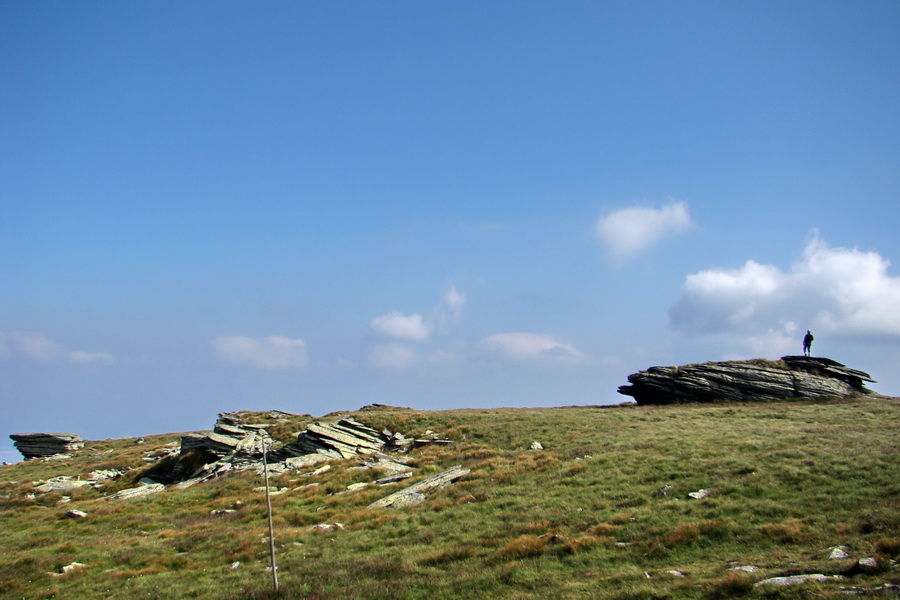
[
  {"x": 746, "y": 380},
  {"x": 39, "y": 445},
  {"x": 345, "y": 439}
]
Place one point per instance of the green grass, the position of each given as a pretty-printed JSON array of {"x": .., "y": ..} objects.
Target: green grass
[{"x": 577, "y": 520}]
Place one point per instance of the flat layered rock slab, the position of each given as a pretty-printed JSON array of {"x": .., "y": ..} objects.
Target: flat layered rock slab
[
  {"x": 414, "y": 494},
  {"x": 747, "y": 380},
  {"x": 40, "y": 445}
]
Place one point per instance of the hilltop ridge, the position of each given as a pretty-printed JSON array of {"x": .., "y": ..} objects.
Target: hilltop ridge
[{"x": 630, "y": 502}]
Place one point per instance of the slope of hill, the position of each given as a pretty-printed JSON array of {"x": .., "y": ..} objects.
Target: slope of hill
[{"x": 622, "y": 502}]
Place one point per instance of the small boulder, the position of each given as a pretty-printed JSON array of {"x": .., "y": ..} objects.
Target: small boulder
[{"x": 838, "y": 553}]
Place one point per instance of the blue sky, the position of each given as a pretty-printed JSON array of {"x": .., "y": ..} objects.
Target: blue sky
[{"x": 313, "y": 206}]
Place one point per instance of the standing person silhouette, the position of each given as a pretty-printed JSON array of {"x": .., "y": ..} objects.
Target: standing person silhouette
[{"x": 807, "y": 343}]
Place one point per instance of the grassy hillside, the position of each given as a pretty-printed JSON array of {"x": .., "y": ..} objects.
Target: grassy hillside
[{"x": 579, "y": 519}]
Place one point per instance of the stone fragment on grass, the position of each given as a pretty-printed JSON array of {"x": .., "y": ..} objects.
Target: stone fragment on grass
[
  {"x": 104, "y": 475},
  {"x": 75, "y": 514},
  {"x": 867, "y": 565},
  {"x": 663, "y": 491},
  {"x": 327, "y": 527},
  {"x": 67, "y": 569},
  {"x": 394, "y": 478},
  {"x": 536, "y": 446},
  {"x": 143, "y": 490},
  {"x": 298, "y": 462},
  {"x": 744, "y": 569},
  {"x": 63, "y": 483},
  {"x": 408, "y": 499},
  {"x": 838, "y": 553},
  {"x": 797, "y": 580},
  {"x": 888, "y": 589},
  {"x": 699, "y": 494},
  {"x": 416, "y": 491}
]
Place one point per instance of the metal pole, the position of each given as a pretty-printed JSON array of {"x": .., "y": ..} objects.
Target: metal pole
[{"x": 269, "y": 509}]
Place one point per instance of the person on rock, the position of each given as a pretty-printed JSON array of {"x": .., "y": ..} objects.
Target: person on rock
[{"x": 807, "y": 343}]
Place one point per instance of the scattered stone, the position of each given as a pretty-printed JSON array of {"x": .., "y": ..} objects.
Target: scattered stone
[
  {"x": 159, "y": 454},
  {"x": 63, "y": 483},
  {"x": 744, "y": 569},
  {"x": 222, "y": 512},
  {"x": 394, "y": 478},
  {"x": 75, "y": 514},
  {"x": 64, "y": 500},
  {"x": 406, "y": 500},
  {"x": 64, "y": 456},
  {"x": 663, "y": 491},
  {"x": 299, "y": 462},
  {"x": 143, "y": 490},
  {"x": 353, "y": 487},
  {"x": 867, "y": 565},
  {"x": 797, "y": 579},
  {"x": 272, "y": 491},
  {"x": 887, "y": 589},
  {"x": 41, "y": 445},
  {"x": 536, "y": 446},
  {"x": 383, "y": 462},
  {"x": 675, "y": 573},
  {"x": 699, "y": 494},
  {"x": 746, "y": 380},
  {"x": 235, "y": 565},
  {"x": 415, "y": 492},
  {"x": 327, "y": 527},
  {"x": 67, "y": 569},
  {"x": 838, "y": 553},
  {"x": 104, "y": 475}
]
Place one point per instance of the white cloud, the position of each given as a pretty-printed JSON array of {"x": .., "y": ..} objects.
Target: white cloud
[
  {"x": 418, "y": 328},
  {"x": 272, "y": 352},
  {"x": 83, "y": 358},
  {"x": 454, "y": 299},
  {"x": 392, "y": 356},
  {"x": 629, "y": 231},
  {"x": 37, "y": 347},
  {"x": 531, "y": 347},
  {"x": 841, "y": 291},
  {"x": 408, "y": 327}
]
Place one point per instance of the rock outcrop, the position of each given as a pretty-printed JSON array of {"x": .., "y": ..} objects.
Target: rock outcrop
[
  {"x": 345, "y": 439},
  {"x": 746, "y": 380},
  {"x": 236, "y": 446},
  {"x": 40, "y": 445}
]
